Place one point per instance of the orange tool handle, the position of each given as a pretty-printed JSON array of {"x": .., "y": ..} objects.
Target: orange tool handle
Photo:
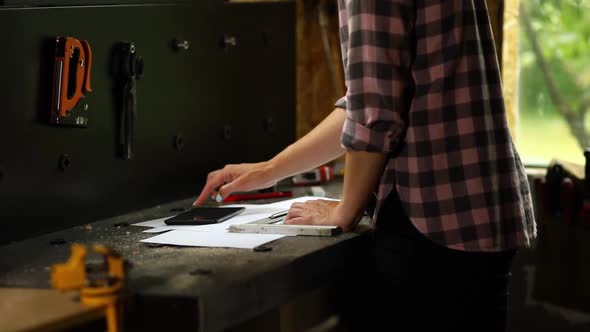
[
  {"x": 82, "y": 68},
  {"x": 88, "y": 54}
]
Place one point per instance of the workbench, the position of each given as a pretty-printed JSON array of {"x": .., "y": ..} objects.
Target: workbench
[{"x": 293, "y": 287}]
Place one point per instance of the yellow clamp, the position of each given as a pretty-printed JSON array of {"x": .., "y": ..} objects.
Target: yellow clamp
[{"x": 95, "y": 290}]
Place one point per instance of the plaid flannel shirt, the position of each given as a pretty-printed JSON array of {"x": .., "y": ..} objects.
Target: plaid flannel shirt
[{"x": 423, "y": 85}]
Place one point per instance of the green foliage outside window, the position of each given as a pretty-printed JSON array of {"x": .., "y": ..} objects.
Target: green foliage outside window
[{"x": 554, "y": 98}]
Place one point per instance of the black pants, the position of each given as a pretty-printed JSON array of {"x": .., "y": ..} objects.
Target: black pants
[{"x": 427, "y": 287}]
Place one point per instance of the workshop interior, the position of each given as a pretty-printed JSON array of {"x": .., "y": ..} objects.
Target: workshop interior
[{"x": 115, "y": 111}]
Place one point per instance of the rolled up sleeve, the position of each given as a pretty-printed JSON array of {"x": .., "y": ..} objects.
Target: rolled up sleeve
[
  {"x": 341, "y": 103},
  {"x": 378, "y": 73}
]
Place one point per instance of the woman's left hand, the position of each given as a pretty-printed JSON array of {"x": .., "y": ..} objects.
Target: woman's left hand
[{"x": 320, "y": 212}]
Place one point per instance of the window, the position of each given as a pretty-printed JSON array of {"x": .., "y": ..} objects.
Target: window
[{"x": 554, "y": 80}]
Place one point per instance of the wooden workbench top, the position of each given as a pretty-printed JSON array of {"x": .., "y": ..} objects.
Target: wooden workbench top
[{"x": 208, "y": 288}]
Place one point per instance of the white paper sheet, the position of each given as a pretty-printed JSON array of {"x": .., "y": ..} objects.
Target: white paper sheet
[
  {"x": 249, "y": 215},
  {"x": 253, "y": 212},
  {"x": 212, "y": 239}
]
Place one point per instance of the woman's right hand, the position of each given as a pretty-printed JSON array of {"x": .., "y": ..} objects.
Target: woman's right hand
[{"x": 233, "y": 178}]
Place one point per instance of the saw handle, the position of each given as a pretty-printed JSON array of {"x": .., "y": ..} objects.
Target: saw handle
[
  {"x": 88, "y": 71},
  {"x": 70, "y": 96}
]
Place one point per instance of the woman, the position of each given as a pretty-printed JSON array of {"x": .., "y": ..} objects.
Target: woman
[{"x": 424, "y": 123}]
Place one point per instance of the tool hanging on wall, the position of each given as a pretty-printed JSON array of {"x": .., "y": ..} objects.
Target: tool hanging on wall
[
  {"x": 129, "y": 68},
  {"x": 317, "y": 175},
  {"x": 71, "y": 82}
]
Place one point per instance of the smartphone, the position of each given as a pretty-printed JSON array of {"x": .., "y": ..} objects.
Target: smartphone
[{"x": 202, "y": 215}]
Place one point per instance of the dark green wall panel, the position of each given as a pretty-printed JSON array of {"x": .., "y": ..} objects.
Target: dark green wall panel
[{"x": 248, "y": 88}]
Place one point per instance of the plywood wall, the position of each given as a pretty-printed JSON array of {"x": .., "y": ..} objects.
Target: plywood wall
[
  {"x": 510, "y": 68},
  {"x": 320, "y": 79},
  {"x": 315, "y": 92}
]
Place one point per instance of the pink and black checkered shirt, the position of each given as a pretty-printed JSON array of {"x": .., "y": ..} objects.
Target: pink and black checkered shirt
[{"x": 423, "y": 85}]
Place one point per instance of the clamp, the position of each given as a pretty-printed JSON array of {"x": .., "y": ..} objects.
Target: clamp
[{"x": 100, "y": 287}]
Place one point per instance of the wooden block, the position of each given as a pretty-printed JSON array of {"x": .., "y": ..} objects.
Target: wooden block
[
  {"x": 308, "y": 230},
  {"x": 26, "y": 309}
]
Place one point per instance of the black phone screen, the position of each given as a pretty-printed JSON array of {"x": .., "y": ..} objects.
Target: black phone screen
[{"x": 204, "y": 215}]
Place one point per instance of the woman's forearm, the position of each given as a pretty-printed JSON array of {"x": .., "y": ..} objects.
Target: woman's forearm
[
  {"x": 361, "y": 176},
  {"x": 319, "y": 146}
]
